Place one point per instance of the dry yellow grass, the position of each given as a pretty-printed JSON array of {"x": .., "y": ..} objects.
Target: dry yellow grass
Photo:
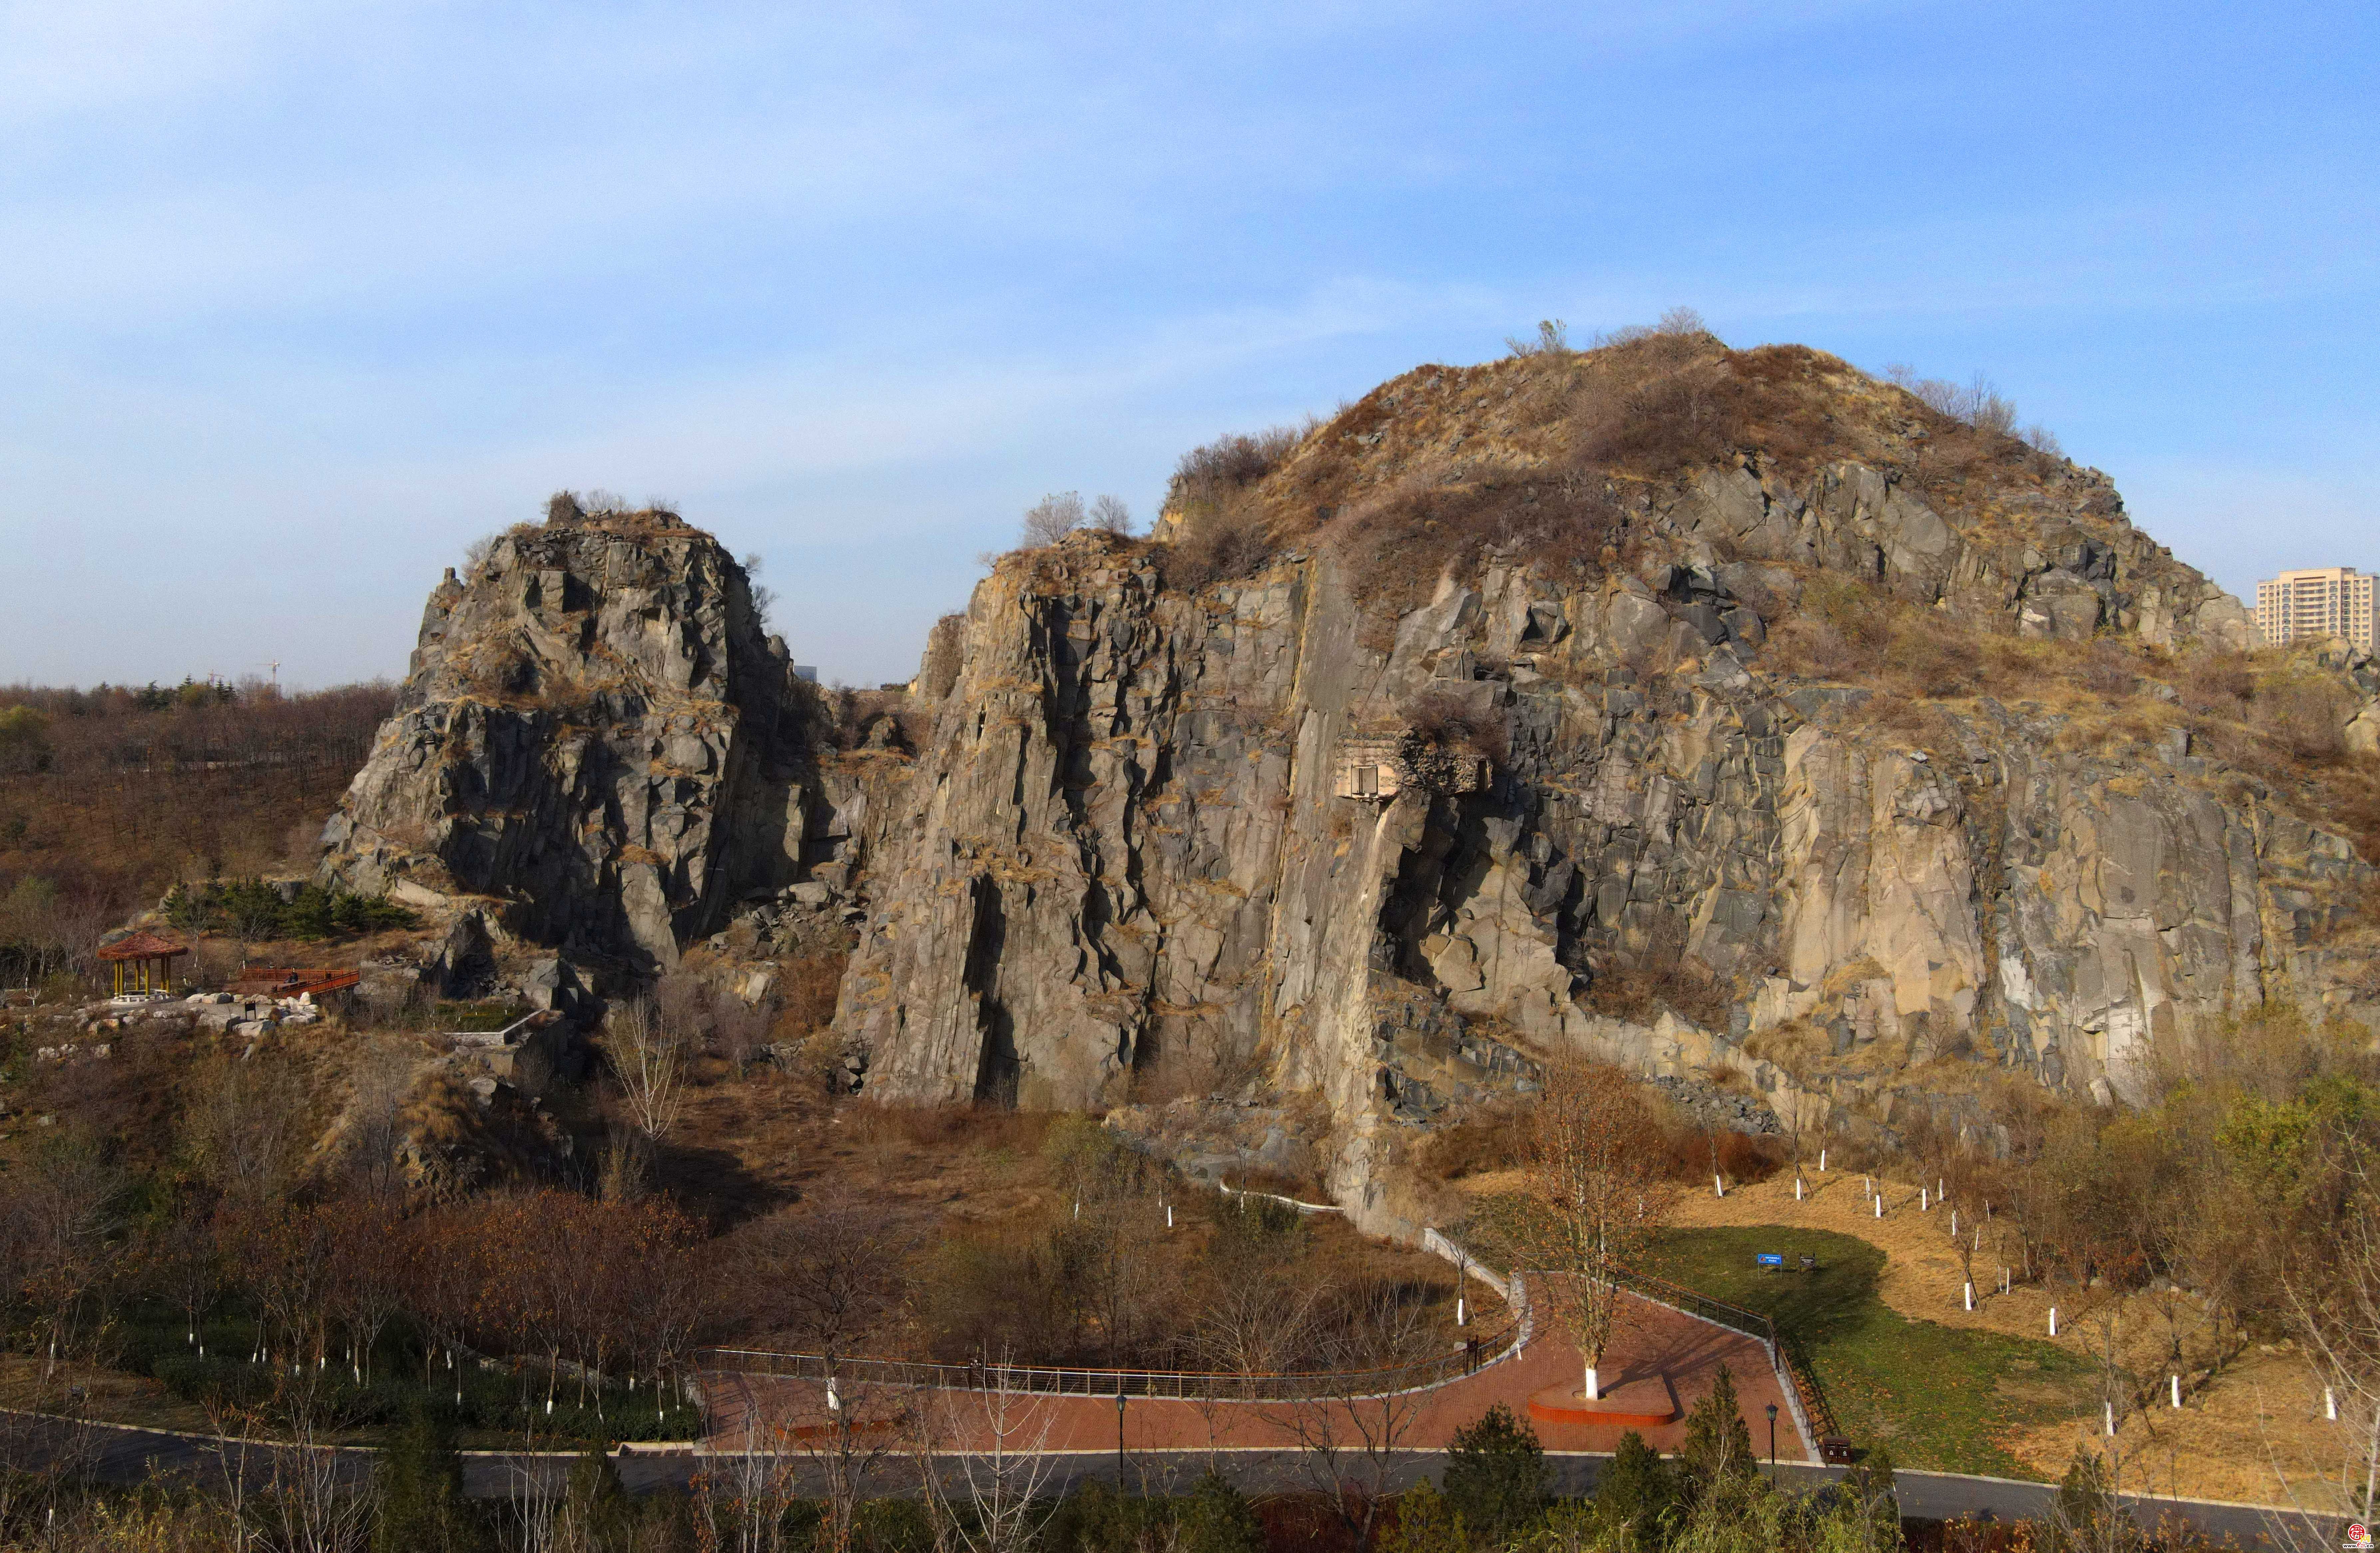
[{"x": 2250, "y": 1432}]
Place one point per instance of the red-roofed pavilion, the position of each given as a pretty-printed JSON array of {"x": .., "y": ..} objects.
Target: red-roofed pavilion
[{"x": 143, "y": 962}]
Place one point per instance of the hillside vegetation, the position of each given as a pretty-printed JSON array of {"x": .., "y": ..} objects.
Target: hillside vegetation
[{"x": 110, "y": 796}]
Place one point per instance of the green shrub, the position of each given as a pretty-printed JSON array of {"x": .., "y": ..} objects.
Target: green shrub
[
  {"x": 1217, "y": 1518},
  {"x": 420, "y": 1482},
  {"x": 1495, "y": 1475},
  {"x": 1427, "y": 1522},
  {"x": 1638, "y": 1496},
  {"x": 253, "y": 909},
  {"x": 1717, "y": 1450}
]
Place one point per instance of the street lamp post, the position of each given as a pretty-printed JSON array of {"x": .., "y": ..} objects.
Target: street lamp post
[
  {"x": 1772, "y": 1439},
  {"x": 1119, "y": 1434}
]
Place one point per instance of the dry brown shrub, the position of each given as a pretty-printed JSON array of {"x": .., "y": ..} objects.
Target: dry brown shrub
[
  {"x": 1447, "y": 719},
  {"x": 1217, "y": 544},
  {"x": 1844, "y": 630},
  {"x": 953, "y": 1126},
  {"x": 2304, "y": 710},
  {"x": 2217, "y": 684},
  {"x": 1751, "y": 1156},
  {"x": 1689, "y": 1153},
  {"x": 1932, "y": 662},
  {"x": 806, "y": 992},
  {"x": 1398, "y": 541},
  {"x": 2106, "y": 669},
  {"x": 1675, "y": 402},
  {"x": 1662, "y": 975},
  {"x": 1212, "y": 475},
  {"x": 1487, "y": 1139}
]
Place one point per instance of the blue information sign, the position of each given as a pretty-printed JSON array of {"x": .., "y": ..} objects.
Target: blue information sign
[{"x": 1772, "y": 1258}]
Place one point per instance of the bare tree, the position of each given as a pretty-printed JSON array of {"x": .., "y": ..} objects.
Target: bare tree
[
  {"x": 372, "y": 1132},
  {"x": 824, "y": 1272},
  {"x": 1552, "y": 338},
  {"x": 1109, "y": 514},
  {"x": 1795, "y": 1049},
  {"x": 846, "y": 1454},
  {"x": 442, "y": 1283},
  {"x": 1592, "y": 1201},
  {"x": 320, "y": 1501},
  {"x": 648, "y": 1058},
  {"x": 2332, "y": 1283},
  {"x": 1053, "y": 517},
  {"x": 999, "y": 1436},
  {"x": 1256, "y": 1324},
  {"x": 1257, "y": 1317},
  {"x": 367, "y": 1284},
  {"x": 1349, "y": 1435},
  {"x": 743, "y": 1496},
  {"x": 184, "y": 1265},
  {"x": 245, "y": 1128},
  {"x": 62, "y": 1206}
]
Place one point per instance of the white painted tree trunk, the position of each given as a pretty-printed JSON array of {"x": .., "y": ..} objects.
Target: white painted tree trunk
[{"x": 1593, "y": 1389}]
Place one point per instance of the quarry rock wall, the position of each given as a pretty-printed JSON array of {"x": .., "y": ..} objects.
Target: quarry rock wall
[
  {"x": 595, "y": 739},
  {"x": 1122, "y": 852}
]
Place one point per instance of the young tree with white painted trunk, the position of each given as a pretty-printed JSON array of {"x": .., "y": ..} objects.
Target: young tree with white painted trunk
[{"x": 1594, "y": 1198}]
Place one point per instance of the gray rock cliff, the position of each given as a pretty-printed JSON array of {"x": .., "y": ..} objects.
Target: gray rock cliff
[
  {"x": 595, "y": 739},
  {"x": 1131, "y": 845}
]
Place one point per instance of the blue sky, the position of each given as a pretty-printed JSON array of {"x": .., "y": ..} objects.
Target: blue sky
[{"x": 295, "y": 299}]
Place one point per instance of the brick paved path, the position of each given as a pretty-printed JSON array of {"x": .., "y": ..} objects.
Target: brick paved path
[{"x": 1654, "y": 1340}]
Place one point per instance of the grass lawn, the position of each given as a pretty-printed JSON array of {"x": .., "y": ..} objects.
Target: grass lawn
[{"x": 1938, "y": 1397}]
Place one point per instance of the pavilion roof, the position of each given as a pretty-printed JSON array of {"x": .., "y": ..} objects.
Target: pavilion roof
[{"x": 142, "y": 945}]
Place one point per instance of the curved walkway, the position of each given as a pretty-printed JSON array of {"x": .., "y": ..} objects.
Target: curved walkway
[{"x": 1654, "y": 1344}]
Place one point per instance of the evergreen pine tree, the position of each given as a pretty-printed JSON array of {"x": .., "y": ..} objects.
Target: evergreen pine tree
[
  {"x": 1219, "y": 1519},
  {"x": 1717, "y": 1450},
  {"x": 1427, "y": 1522},
  {"x": 1495, "y": 1475},
  {"x": 595, "y": 1505},
  {"x": 421, "y": 1508},
  {"x": 1868, "y": 1490},
  {"x": 1636, "y": 1491}
]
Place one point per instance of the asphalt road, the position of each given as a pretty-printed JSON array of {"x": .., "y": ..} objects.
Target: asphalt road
[{"x": 114, "y": 1454}]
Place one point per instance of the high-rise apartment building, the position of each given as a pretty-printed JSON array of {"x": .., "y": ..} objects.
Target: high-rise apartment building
[{"x": 2319, "y": 601}]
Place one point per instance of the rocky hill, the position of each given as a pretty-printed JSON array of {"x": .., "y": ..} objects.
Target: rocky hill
[
  {"x": 1729, "y": 714},
  {"x": 595, "y": 742}
]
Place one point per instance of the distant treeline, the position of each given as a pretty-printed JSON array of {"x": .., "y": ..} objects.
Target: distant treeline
[
  {"x": 109, "y": 797},
  {"x": 195, "y": 722}
]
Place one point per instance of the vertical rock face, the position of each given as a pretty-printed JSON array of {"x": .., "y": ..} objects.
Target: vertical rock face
[
  {"x": 1496, "y": 756},
  {"x": 1125, "y": 846},
  {"x": 594, "y": 733}
]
